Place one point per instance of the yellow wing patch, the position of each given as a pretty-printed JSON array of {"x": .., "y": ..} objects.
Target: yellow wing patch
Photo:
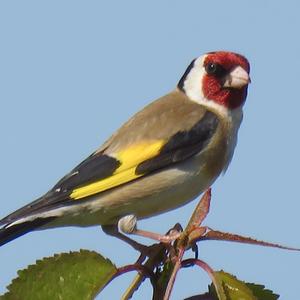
[{"x": 129, "y": 158}]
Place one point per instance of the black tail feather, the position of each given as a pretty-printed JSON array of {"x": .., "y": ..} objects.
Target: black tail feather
[{"x": 11, "y": 232}]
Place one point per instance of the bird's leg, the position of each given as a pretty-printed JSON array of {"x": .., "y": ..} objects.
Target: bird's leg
[
  {"x": 128, "y": 225},
  {"x": 113, "y": 231}
]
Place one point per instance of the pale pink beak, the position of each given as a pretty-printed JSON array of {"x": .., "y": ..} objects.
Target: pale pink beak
[{"x": 237, "y": 78}]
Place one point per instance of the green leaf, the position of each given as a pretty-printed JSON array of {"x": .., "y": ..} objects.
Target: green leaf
[
  {"x": 261, "y": 293},
  {"x": 75, "y": 275},
  {"x": 233, "y": 289}
]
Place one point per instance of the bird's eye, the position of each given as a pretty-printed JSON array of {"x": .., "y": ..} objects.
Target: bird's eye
[{"x": 215, "y": 69}]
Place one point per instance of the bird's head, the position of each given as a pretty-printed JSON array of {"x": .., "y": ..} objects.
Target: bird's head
[{"x": 220, "y": 78}]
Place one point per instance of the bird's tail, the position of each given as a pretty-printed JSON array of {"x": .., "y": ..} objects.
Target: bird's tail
[{"x": 11, "y": 231}]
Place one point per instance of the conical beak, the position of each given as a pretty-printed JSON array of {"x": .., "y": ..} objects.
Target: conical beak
[{"x": 237, "y": 78}]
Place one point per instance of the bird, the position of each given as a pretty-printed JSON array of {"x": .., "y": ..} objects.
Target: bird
[{"x": 163, "y": 157}]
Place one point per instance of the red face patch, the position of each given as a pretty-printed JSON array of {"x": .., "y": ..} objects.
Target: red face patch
[{"x": 212, "y": 84}]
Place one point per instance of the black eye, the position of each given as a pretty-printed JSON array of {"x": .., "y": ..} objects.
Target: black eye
[{"x": 215, "y": 69}]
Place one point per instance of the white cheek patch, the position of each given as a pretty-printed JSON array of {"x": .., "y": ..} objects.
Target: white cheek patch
[{"x": 193, "y": 82}]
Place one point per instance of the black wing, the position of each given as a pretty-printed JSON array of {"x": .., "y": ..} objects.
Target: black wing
[{"x": 183, "y": 144}]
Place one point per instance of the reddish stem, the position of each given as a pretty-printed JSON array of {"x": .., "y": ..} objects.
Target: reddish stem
[
  {"x": 134, "y": 267},
  {"x": 176, "y": 268},
  {"x": 203, "y": 265}
]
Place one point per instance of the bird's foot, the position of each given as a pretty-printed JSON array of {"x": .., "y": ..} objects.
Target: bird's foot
[{"x": 128, "y": 225}]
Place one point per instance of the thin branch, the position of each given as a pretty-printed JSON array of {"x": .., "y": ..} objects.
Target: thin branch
[
  {"x": 134, "y": 285},
  {"x": 156, "y": 254},
  {"x": 203, "y": 265},
  {"x": 134, "y": 267},
  {"x": 175, "y": 270}
]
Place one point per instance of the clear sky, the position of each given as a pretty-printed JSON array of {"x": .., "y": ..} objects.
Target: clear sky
[{"x": 71, "y": 72}]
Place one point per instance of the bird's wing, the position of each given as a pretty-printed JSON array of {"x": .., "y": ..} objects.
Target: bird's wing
[{"x": 160, "y": 136}]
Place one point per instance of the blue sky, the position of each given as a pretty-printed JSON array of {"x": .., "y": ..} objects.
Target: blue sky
[{"x": 72, "y": 72}]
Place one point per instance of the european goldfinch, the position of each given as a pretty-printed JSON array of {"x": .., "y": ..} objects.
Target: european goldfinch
[{"x": 162, "y": 158}]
